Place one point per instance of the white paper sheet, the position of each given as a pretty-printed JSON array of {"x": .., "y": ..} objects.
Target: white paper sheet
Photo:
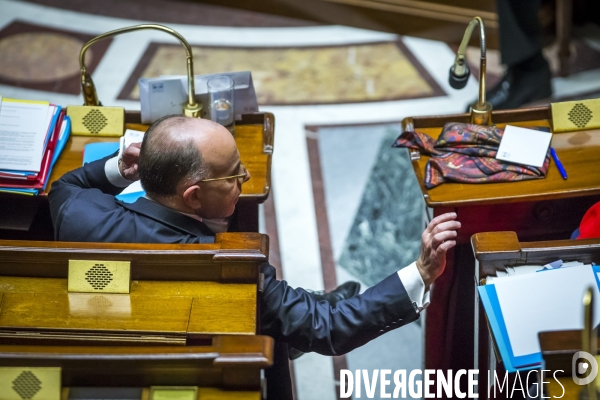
[
  {"x": 23, "y": 128},
  {"x": 524, "y": 146},
  {"x": 544, "y": 301},
  {"x": 131, "y": 136}
]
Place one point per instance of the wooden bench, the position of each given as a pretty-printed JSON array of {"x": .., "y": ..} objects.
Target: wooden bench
[
  {"x": 494, "y": 251},
  {"x": 180, "y": 294},
  {"x": 228, "y": 368}
]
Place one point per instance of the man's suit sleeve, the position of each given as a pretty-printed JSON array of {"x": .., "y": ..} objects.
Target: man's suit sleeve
[
  {"x": 292, "y": 315},
  {"x": 89, "y": 181}
]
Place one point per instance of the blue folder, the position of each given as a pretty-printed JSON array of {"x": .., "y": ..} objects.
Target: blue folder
[
  {"x": 96, "y": 151},
  {"x": 493, "y": 310}
]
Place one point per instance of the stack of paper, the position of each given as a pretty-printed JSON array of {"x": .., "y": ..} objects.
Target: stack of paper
[
  {"x": 519, "y": 307},
  {"x": 529, "y": 269},
  {"x": 32, "y": 135}
]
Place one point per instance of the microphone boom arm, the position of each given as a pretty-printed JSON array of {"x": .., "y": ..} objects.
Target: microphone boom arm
[
  {"x": 90, "y": 96},
  {"x": 481, "y": 111}
]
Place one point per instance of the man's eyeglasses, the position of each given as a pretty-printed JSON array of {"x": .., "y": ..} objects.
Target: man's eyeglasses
[{"x": 238, "y": 176}]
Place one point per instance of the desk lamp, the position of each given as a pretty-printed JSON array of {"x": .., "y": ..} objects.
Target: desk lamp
[
  {"x": 92, "y": 118},
  {"x": 481, "y": 111}
]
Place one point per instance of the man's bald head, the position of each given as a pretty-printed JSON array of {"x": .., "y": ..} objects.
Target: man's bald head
[{"x": 177, "y": 148}]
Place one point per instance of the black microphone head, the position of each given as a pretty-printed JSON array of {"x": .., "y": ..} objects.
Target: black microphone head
[{"x": 458, "y": 81}]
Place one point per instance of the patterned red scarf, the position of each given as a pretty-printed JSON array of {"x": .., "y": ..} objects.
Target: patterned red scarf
[{"x": 466, "y": 153}]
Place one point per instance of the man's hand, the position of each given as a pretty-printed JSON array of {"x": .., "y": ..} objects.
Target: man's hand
[
  {"x": 128, "y": 165},
  {"x": 437, "y": 239}
]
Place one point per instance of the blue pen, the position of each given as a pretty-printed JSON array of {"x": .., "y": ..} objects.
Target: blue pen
[{"x": 559, "y": 165}]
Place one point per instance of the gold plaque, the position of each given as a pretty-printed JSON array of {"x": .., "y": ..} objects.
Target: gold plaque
[
  {"x": 36, "y": 383},
  {"x": 87, "y": 276},
  {"x": 577, "y": 115},
  {"x": 174, "y": 393},
  {"x": 96, "y": 121}
]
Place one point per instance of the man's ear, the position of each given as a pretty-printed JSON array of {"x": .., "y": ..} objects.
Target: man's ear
[{"x": 191, "y": 197}]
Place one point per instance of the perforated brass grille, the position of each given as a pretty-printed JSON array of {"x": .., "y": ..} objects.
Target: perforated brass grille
[
  {"x": 95, "y": 121},
  {"x": 27, "y": 385},
  {"x": 98, "y": 276},
  {"x": 580, "y": 115}
]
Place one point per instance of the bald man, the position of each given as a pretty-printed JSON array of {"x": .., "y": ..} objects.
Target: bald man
[{"x": 192, "y": 174}]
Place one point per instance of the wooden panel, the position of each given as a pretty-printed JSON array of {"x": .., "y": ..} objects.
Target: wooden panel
[
  {"x": 13, "y": 284},
  {"x": 250, "y": 144},
  {"x": 97, "y": 312},
  {"x": 203, "y": 394},
  {"x": 441, "y": 20},
  {"x": 497, "y": 250},
  {"x": 229, "y": 362},
  {"x": 532, "y": 220},
  {"x": 237, "y": 242},
  {"x": 203, "y": 290},
  {"x": 427, "y": 9},
  {"x": 237, "y": 311},
  {"x": 233, "y": 258},
  {"x": 217, "y": 308},
  {"x": 558, "y": 348},
  {"x": 217, "y": 394},
  {"x": 569, "y": 390},
  {"x": 500, "y": 244},
  {"x": 255, "y": 350}
]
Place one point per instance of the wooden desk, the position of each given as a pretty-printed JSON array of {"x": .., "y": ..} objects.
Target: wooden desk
[
  {"x": 543, "y": 209},
  {"x": 29, "y": 218},
  {"x": 496, "y": 250},
  {"x": 558, "y": 349},
  {"x": 228, "y": 367},
  {"x": 180, "y": 294}
]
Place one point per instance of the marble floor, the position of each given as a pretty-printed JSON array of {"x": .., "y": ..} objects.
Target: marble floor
[{"x": 344, "y": 205}]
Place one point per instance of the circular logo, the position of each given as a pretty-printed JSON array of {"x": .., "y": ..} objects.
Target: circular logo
[{"x": 579, "y": 367}]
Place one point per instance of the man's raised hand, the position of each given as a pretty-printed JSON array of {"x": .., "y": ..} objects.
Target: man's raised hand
[
  {"x": 128, "y": 166},
  {"x": 436, "y": 240}
]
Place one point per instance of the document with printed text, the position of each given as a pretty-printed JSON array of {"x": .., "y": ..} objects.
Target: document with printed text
[{"x": 23, "y": 130}]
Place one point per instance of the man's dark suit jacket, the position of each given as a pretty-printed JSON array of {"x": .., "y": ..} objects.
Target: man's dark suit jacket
[{"x": 84, "y": 209}]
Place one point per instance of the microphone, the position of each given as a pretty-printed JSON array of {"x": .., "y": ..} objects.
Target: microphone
[
  {"x": 92, "y": 119},
  {"x": 457, "y": 81},
  {"x": 90, "y": 97},
  {"x": 481, "y": 111}
]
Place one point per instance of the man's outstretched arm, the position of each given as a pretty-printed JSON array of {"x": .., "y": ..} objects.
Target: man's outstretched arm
[{"x": 292, "y": 315}]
